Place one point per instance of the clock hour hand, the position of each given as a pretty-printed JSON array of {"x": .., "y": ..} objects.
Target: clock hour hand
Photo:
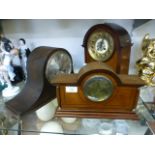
[{"x": 101, "y": 45}]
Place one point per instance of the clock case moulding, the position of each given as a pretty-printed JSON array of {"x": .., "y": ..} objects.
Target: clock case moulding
[
  {"x": 37, "y": 91},
  {"x": 120, "y": 104},
  {"x": 119, "y": 60}
]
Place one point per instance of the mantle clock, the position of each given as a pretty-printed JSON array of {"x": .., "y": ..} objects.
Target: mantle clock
[
  {"x": 108, "y": 43},
  {"x": 97, "y": 92},
  {"x": 43, "y": 64}
]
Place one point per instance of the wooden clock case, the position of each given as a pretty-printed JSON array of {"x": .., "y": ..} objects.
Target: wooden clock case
[
  {"x": 119, "y": 61},
  {"x": 37, "y": 91},
  {"x": 120, "y": 105}
]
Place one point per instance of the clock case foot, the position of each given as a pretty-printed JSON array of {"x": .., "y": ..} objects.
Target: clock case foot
[{"x": 91, "y": 114}]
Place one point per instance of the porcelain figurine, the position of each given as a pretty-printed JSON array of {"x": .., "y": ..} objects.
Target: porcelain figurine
[
  {"x": 24, "y": 52},
  {"x": 6, "y": 69}
]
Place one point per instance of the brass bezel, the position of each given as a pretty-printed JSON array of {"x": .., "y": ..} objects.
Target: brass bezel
[
  {"x": 110, "y": 89},
  {"x": 60, "y": 66},
  {"x": 96, "y": 55}
]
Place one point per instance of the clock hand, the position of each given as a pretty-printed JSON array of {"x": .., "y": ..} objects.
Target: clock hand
[
  {"x": 102, "y": 44},
  {"x": 99, "y": 46}
]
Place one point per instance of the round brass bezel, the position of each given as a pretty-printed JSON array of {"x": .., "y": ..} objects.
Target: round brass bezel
[
  {"x": 59, "y": 62},
  {"x": 104, "y": 54},
  {"x": 98, "y": 88}
]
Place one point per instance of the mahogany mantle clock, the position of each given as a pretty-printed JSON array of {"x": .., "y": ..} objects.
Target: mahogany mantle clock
[{"x": 108, "y": 43}]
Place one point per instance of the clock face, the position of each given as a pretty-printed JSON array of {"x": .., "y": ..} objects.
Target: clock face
[
  {"x": 100, "y": 45},
  {"x": 60, "y": 62},
  {"x": 98, "y": 88}
]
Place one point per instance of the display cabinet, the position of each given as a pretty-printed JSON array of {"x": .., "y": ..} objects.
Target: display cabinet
[{"x": 30, "y": 124}]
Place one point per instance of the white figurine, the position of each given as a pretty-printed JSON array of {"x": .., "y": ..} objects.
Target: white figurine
[
  {"x": 6, "y": 70},
  {"x": 24, "y": 52}
]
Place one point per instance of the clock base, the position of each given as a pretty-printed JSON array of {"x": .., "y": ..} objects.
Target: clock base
[{"x": 91, "y": 114}]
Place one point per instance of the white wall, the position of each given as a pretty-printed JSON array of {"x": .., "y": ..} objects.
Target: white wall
[
  {"x": 65, "y": 33},
  {"x": 137, "y": 36}
]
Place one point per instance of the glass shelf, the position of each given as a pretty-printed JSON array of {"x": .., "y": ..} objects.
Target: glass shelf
[{"x": 30, "y": 124}]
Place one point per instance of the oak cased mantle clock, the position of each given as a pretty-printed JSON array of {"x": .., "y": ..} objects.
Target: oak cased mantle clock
[{"x": 97, "y": 92}]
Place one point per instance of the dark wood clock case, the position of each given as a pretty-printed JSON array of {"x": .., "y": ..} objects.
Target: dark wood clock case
[
  {"x": 119, "y": 61},
  {"x": 120, "y": 105},
  {"x": 37, "y": 91}
]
